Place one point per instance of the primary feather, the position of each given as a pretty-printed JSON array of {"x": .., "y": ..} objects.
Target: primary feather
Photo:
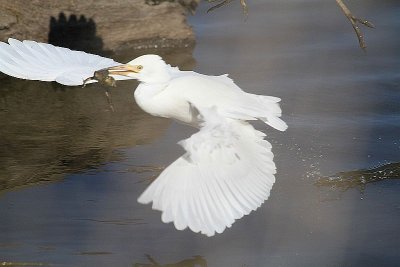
[
  {"x": 44, "y": 62},
  {"x": 226, "y": 172}
]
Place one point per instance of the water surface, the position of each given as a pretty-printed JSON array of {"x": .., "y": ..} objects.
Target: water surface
[{"x": 342, "y": 107}]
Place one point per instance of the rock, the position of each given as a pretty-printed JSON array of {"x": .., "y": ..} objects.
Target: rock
[
  {"x": 7, "y": 19},
  {"x": 99, "y": 25}
]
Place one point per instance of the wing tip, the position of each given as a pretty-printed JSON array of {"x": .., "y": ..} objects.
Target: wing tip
[{"x": 276, "y": 123}]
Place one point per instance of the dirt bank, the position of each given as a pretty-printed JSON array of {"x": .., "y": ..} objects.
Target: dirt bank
[{"x": 99, "y": 25}]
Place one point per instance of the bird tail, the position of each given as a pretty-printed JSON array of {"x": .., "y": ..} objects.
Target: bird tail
[
  {"x": 226, "y": 172},
  {"x": 253, "y": 107},
  {"x": 270, "y": 106}
]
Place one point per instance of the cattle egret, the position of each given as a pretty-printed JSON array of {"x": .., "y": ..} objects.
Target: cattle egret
[{"x": 227, "y": 170}]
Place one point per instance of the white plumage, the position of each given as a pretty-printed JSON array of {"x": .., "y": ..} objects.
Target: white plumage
[
  {"x": 226, "y": 173},
  {"x": 228, "y": 168},
  {"x": 44, "y": 62}
]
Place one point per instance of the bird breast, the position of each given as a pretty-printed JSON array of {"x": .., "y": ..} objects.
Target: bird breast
[{"x": 157, "y": 100}]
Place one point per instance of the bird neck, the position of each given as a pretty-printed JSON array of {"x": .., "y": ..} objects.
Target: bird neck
[
  {"x": 159, "y": 75},
  {"x": 145, "y": 94}
]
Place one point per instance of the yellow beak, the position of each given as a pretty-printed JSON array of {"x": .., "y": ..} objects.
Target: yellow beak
[{"x": 123, "y": 70}]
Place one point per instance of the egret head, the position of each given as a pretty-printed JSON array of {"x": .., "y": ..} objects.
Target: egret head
[{"x": 146, "y": 68}]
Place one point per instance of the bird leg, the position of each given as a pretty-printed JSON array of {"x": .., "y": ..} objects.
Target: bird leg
[{"x": 355, "y": 23}]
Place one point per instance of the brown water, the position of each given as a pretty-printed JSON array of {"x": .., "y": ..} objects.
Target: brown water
[{"x": 343, "y": 111}]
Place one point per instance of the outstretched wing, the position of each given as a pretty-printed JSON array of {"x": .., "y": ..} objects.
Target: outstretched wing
[
  {"x": 45, "y": 62},
  {"x": 226, "y": 172}
]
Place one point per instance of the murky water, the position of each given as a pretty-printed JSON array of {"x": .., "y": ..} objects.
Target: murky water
[{"x": 343, "y": 111}]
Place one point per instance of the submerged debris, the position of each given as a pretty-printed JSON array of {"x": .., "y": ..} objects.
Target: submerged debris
[
  {"x": 101, "y": 76},
  {"x": 197, "y": 261},
  {"x": 10, "y": 263},
  {"x": 359, "y": 178}
]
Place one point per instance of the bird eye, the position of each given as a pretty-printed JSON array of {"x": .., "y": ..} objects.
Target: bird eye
[{"x": 139, "y": 67}]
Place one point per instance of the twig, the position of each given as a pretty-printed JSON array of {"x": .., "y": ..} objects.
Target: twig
[
  {"x": 354, "y": 22},
  {"x": 220, "y": 4},
  {"x": 150, "y": 258},
  {"x": 225, "y": 2}
]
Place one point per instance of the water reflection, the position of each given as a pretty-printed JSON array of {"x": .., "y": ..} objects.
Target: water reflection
[
  {"x": 48, "y": 130},
  {"x": 46, "y": 133},
  {"x": 196, "y": 261}
]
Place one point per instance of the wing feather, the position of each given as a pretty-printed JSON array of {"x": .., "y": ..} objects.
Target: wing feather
[
  {"x": 226, "y": 172},
  {"x": 39, "y": 61}
]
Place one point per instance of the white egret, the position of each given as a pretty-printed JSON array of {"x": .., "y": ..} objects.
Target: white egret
[{"x": 227, "y": 170}]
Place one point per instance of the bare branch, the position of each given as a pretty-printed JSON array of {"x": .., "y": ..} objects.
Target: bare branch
[
  {"x": 220, "y": 4},
  {"x": 355, "y": 23},
  {"x": 225, "y": 2}
]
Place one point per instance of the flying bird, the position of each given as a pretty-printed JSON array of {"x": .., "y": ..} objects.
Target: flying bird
[{"x": 227, "y": 169}]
